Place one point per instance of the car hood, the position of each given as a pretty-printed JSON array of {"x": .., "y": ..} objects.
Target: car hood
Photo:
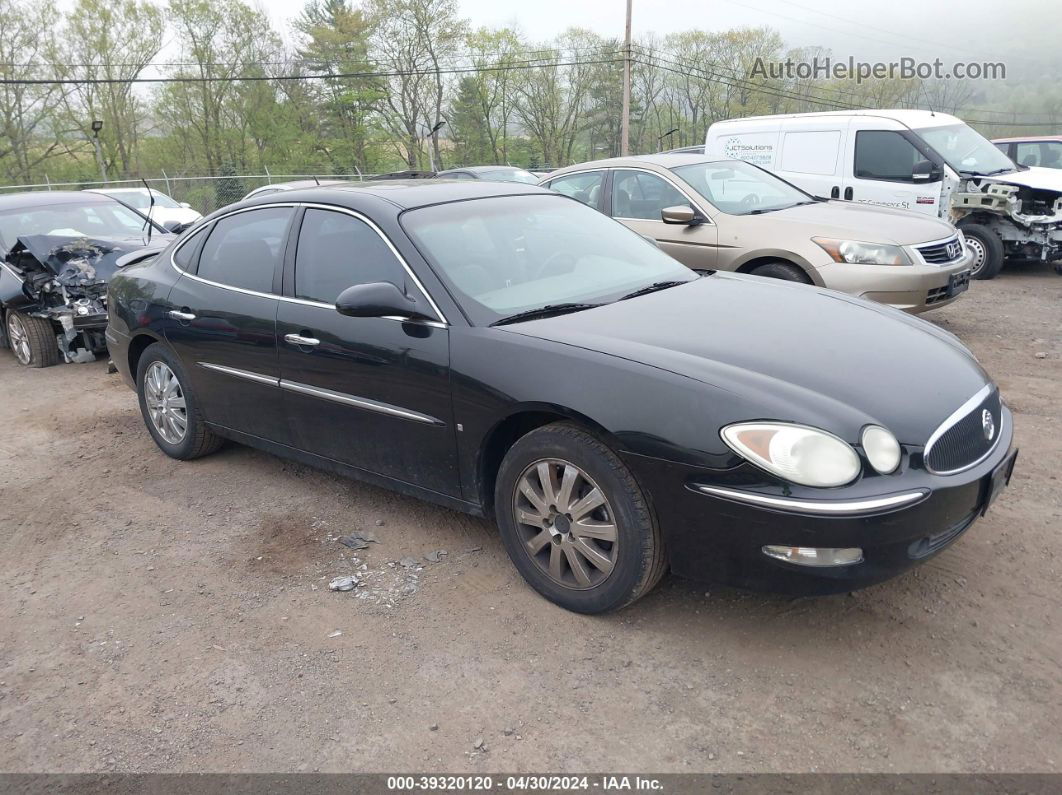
[
  {"x": 790, "y": 352},
  {"x": 1032, "y": 177},
  {"x": 871, "y": 224},
  {"x": 80, "y": 261}
]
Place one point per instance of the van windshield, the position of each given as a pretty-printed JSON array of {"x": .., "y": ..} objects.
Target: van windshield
[
  {"x": 966, "y": 150},
  {"x": 737, "y": 188}
]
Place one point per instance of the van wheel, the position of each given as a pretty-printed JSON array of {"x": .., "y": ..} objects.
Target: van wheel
[
  {"x": 987, "y": 249},
  {"x": 781, "y": 270},
  {"x": 575, "y": 523},
  {"x": 32, "y": 340}
]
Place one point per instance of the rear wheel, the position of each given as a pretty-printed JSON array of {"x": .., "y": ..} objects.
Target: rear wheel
[
  {"x": 987, "y": 249},
  {"x": 32, "y": 340},
  {"x": 781, "y": 270},
  {"x": 170, "y": 411},
  {"x": 575, "y": 523}
]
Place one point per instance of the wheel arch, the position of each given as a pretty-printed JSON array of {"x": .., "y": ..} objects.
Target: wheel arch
[
  {"x": 751, "y": 264},
  {"x": 139, "y": 343},
  {"x": 519, "y": 422}
]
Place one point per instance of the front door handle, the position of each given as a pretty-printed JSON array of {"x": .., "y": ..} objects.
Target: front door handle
[
  {"x": 835, "y": 193},
  {"x": 298, "y": 339},
  {"x": 184, "y": 317}
]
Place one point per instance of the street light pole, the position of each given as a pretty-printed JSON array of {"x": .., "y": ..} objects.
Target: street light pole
[
  {"x": 97, "y": 125},
  {"x": 625, "y": 120}
]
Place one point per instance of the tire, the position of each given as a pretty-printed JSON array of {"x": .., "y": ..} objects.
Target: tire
[
  {"x": 987, "y": 248},
  {"x": 629, "y": 566},
  {"x": 164, "y": 421},
  {"x": 32, "y": 340},
  {"x": 781, "y": 270}
]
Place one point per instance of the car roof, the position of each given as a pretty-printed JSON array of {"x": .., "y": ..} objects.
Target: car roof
[
  {"x": 405, "y": 194},
  {"x": 45, "y": 198},
  {"x": 664, "y": 160},
  {"x": 481, "y": 169},
  {"x": 911, "y": 117},
  {"x": 1027, "y": 139},
  {"x": 108, "y": 191}
]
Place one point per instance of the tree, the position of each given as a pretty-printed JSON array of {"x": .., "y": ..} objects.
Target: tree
[{"x": 111, "y": 40}]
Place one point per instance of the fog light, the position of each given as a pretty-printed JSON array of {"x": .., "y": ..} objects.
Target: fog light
[{"x": 815, "y": 556}]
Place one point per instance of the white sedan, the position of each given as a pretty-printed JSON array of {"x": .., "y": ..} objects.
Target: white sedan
[{"x": 166, "y": 209}]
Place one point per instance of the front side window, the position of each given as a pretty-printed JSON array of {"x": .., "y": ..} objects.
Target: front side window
[
  {"x": 504, "y": 255},
  {"x": 639, "y": 194},
  {"x": 739, "y": 188},
  {"x": 1046, "y": 154},
  {"x": 245, "y": 249},
  {"x": 885, "y": 155},
  {"x": 337, "y": 251},
  {"x": 586, "y": 187}
]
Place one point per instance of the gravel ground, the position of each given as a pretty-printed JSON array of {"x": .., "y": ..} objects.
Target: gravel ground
[{"x": 166, "y": 616}]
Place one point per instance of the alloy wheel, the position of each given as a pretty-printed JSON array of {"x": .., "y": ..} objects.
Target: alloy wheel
[
  {"x": 19, "y": 339},
  {"x": 566, "y": 524},
  {"x": 165, "y": 402},
  {"x": 980, "y": 255}
]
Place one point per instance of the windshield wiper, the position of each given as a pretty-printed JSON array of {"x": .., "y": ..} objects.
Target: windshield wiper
[
  {"x": 652, "y": 288},
  {"x": 544, "y": 311}
]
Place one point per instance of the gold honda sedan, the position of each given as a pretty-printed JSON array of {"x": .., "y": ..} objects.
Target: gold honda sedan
[{"x": 732, "y": 215}]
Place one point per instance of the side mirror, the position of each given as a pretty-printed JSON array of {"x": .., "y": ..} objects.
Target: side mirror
[
  {"x": 173, "y": 226},
  {"x": 186, "y": 205},
  {"x": 682, "y": 214},
  {"x": 924, "y": 171},
  {"x": 379, "y": 299}
]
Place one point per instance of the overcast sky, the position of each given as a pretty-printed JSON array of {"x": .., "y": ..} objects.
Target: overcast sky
[{"x": 867, "y": 29}]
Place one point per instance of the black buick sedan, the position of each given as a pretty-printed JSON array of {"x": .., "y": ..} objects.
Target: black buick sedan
[{"x": 506, "y": 351}]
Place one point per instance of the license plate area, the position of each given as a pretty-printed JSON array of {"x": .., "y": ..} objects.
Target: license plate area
[
  {"x": 958, "y": 283},
  {"x": 998, "y": 480}
]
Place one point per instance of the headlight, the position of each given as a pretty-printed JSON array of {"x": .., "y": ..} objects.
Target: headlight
[
  {"x": 795, "y": 452},
  {"x": 858, "y": 253},
  {"x": 882, "y": 449}
]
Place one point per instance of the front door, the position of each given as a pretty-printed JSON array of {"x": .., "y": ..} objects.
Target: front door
[
  {"x": 637, "y": 199},
  {"x": 879, "y": 169},
  {"x": 373, "y": 393},
  {"x": 222, "y": 321}
]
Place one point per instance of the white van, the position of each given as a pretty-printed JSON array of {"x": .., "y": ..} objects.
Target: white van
[{"x": 916, "y": 160}]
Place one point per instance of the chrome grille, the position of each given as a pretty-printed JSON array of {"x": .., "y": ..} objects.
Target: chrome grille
[
  {"x": 942, "y": 253},
  {"x": 962, "y": 440}
]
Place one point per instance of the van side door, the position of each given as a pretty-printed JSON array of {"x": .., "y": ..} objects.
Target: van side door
[
  {"x": 880, "y": 159},
  {"x": 811, "y": 155}
]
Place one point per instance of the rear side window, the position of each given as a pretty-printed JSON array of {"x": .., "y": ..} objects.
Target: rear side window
[
  {"x": 585, "y": 187},
  {"x": 884, "y": 154},
  {"x": 812, "y": 152},
  {"x": 1046, "y": 154},
  {"x": 337, "y": 251},
  {"x": 245, "y": 249}
]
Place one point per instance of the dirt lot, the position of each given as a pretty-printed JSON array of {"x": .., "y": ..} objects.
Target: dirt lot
[{"x": 166, "y": 616}]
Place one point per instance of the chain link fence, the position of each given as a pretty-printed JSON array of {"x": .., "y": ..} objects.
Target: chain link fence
[{"x": 202, "y": 193}]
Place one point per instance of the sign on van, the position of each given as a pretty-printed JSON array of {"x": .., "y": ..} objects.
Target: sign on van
[{"x": 757, "y": 149}]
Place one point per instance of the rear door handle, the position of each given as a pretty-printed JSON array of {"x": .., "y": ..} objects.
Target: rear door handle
[
  {"x": 183, "y": 316},
  {"x": 298, "y": 339}
]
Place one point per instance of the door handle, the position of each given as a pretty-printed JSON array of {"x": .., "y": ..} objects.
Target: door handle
[
  {"x": 848, "y": 193},
  {"x": 835, "y": 192},
  {"x": 182, "y": 316},
  {"x": 298, "y": 339}
]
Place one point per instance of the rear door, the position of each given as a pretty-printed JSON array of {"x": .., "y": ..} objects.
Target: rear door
[
  {"x": 879, "y": 163},
  {"x": 636, "y": 199},
  {"x": 373, "y": 393},
  {"x": 222, "y": 320},
  {"x": 811, "y": 154}
]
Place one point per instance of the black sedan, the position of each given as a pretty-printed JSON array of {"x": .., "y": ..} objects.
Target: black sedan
[{"x": 509, "y": 352}]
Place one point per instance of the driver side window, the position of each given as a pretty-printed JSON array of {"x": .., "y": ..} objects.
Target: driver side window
[
  {"x": 337, "y": 251},
  {"x": 885, "y": 155}
]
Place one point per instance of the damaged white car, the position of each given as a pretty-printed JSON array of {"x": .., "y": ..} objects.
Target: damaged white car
[
  {"x": 58, "y": 251},
  {"x": 916, "y": 160}
]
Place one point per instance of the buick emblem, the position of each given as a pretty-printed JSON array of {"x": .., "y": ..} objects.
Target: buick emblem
[
  {"x": 988, "y": 424},
  {"x": 954, "y": 250}
]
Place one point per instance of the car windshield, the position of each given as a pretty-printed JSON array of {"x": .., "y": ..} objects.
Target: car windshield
[
  {"x": 141, "y": 200},
  {"x": 738, "y": 188},
  {"x": 510, "y": 175},
  {"x": 966, "y": 150},
  {"x": 98, "y": 219},
  {"x": 506, "y": 255}
]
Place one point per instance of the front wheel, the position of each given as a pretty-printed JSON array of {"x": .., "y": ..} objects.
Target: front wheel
[
  {"x": 987, "y": 249},
  {"x": 575, "y": 523},
  {"x": 781, "y": 270},
  {"x": 170, "y": 411},
  {"x": 32, "y": 340}
]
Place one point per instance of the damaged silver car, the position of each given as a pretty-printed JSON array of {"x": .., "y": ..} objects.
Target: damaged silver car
[{"x": 58, "y": 251}]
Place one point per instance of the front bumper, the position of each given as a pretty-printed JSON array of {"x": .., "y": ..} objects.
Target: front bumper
[
  {"x": 912, "y": 288},
  {"x": 716, "y": 537}
]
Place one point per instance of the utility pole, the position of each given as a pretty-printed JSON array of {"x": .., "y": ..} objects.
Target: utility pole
[
  {"x": 625, "y": 120},
  {"x": 97, "y": 125}
]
